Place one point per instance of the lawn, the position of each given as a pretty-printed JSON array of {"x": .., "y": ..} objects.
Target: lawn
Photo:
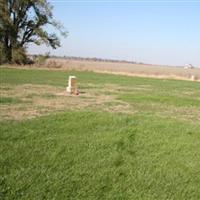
[{"x": 121, "y": 138}]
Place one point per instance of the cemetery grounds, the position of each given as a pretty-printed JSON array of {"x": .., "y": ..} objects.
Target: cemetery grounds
[{"x": 120, "y": 138}]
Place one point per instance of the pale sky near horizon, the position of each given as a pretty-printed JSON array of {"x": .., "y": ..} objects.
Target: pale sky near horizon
[{"x": 156, "y": 32}]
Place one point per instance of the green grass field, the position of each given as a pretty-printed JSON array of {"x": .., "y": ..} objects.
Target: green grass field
[{"x": 122, "y": 138}]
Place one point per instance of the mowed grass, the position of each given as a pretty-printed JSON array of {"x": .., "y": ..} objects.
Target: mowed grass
[
  {"x": 9, "y": 100},
  {"x": 153, "y": 153}
]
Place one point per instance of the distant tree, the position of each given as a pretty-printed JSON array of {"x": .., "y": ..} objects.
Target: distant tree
[{"x": 23, "y": 22}]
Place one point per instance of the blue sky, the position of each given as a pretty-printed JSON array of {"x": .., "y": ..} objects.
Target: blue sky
[{"x": 157, "y": 32}]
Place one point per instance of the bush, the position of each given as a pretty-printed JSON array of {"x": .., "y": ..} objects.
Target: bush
[
  {"x": 53, "y": 64},
  {"x": 2, "y": 55},
  {"x": 19, "y": 56},
  {"x": 41, "y": 59}
]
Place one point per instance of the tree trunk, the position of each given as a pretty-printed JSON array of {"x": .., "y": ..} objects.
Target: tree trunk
[{"x": 8, "y": 48}]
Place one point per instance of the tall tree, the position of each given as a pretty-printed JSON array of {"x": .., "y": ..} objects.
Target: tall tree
[{"x": 23, "y": 22}]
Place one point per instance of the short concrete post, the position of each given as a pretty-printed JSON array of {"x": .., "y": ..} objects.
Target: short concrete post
[
  {"x": 72, "y": 85},
  {"x": 193, "y": 78}
]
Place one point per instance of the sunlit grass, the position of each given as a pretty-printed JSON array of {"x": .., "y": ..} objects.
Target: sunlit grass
[{"x": 150, "y": 150}]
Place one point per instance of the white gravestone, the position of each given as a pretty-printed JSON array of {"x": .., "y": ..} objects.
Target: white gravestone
[
  {"x": 72, "y": 85},
  {"x": 193, "y": 77}
]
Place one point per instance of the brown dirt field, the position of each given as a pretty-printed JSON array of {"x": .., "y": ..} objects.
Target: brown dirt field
[{"x": 156, "y": 71}]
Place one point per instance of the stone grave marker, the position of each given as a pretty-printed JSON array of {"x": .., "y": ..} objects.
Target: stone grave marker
[
  {"x": 193, "y": 77},
  {"x": 72, "y": 85}
]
